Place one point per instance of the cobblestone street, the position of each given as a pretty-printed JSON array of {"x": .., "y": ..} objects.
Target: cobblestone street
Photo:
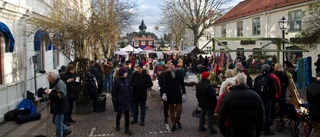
[{"x": 103, "y": 124}]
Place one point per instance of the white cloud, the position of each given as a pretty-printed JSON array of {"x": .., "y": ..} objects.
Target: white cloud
[{"x": 150, "y": 12}]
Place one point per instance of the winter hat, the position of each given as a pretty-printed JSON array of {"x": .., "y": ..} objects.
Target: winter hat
[
  {"x": 265, "y": 67},
  {"x": 121, "y": 71},
  {"x": 205, "y": 75}
]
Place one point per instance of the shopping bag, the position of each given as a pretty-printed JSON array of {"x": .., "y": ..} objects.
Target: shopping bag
[{"x": 196, "y": 112}]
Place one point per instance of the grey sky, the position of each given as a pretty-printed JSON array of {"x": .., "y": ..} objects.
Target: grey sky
[{"x": 150, "y": 12}]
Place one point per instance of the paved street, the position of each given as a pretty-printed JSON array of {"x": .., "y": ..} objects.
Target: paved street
[{"x": 103, "y": 124}]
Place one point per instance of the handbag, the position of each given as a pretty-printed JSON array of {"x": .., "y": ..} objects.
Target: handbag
[{"x": 196, "y": 112}]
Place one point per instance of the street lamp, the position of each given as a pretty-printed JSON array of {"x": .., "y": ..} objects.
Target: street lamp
[
  {"x": 283, "y": 27},
  {"x": 181, "y": 44}
]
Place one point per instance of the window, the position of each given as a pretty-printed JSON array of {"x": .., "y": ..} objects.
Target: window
[
  {"x": 223, "y": 31},
  {"x": 143, "y": 43},
  {"x": 295, "y": 20},
  {"x": 150, "y": 43},
  {"x": 41, "y": 56},
  {"x": 240, "y": 29},
  {"x": 2, "y": 44},
  {"x": 256, "y": 26},
  {"x": 208, "y": 36},
  {"x": 55, "y": 58}
]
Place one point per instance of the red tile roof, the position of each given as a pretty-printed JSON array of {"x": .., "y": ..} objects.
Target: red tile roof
[
  {"x": 149, "y": 38},
  {"x": 250, "y": 7}
]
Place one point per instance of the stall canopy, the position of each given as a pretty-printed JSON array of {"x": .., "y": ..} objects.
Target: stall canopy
[
  {"x": 9, "y": 37},
  {"x": 192, "y": 50},
  {"x": 128, "y": 48},
  {"x": 148, "y": 48},
  {"x": 137, "y": 51},
  {"x": 120, "y": 52}
]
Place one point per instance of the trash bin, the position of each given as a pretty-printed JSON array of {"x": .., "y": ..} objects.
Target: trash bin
[{"x": 99, "y": 105}]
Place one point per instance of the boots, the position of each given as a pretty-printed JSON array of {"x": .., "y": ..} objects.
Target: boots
[
  {"x": 117, "y": 128},
  {"x": 128, "y": 132}
]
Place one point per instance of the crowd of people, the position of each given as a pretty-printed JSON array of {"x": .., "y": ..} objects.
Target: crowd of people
[{"x": 241, "y": 99}]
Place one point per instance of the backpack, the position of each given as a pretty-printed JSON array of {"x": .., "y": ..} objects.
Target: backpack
[{"x": 261, "y": 86}]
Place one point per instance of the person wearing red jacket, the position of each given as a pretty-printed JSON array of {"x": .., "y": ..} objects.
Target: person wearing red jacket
[{"x": 277, "y": 96}]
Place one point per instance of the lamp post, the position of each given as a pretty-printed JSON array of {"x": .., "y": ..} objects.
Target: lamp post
[
  {"x": 181, "y": 44},
  {"x": 283, "y": 27}
]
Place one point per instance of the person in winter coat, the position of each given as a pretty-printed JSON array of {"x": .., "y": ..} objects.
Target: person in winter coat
[
  {"x": 121, "y": 98},
  {"x": 207, "y": 101},
  {"x": 59, "y": 104},
  {"x": 97, "y": 70},
  {"x": 267, "y": 99},
  {"x": 108, "y": 70},
  {"x": 284, "y": 81},
  {"x": 140, "y": 82},
  {"x": 277, "y": 96},
  {"x": 313, "y": 97},
  {"x": 225, "y": 87},
  {"x": 175, "y": 93},
  {"x": 161, "y": 78},
  {"x": 243, "y": 109},
  {"x": 70, "y": 78}
]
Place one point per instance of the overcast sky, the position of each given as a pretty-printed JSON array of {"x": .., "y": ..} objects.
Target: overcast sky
[{"x": 150, "y": 12}]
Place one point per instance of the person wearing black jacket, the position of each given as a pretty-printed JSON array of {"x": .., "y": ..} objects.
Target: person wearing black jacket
[
  {"x": 284, "y": 82},
  {"x": 207, "y": 101},
  {"x": 241, "y": 112},
  {"x": 313, "y": 97},
  {"x": 98, "y": 72},
  {"x": 121, "y": 99},
  {"x": 267, "y": 100},
  {"x": 175, "y": 93},
  {"x": 161, "y": 78},
  {"x": 59, "y": 104},
  {"x": 70, "y": 78},
  {"x": 140, "y": 82}
]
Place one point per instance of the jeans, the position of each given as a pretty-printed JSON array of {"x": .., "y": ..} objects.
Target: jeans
[
  {"x": 175, "y": 118},
  {"x": 126, "y": 119},
  {"x": 57, "y": 119},
  {"x": 165, "y": 109},
  {"x": 202, "y": 119},
  {"x": 142, "y": 105},
  {"x": 108, "y": 81},
  {"x": 67, "y": 116},
  {"x": 267, "y": 103}
]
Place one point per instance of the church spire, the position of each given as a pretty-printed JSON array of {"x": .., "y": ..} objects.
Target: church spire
[{"x": 142, "y": 27}]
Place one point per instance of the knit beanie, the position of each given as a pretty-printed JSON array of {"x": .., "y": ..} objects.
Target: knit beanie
[
  {"x": 121, "y": 71},
  {"x": 205, "y": 75}
]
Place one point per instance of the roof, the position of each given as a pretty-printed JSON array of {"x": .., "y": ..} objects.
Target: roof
[
  {"x": 250, "y": 7},
  {"x": 149, "y": 38}
]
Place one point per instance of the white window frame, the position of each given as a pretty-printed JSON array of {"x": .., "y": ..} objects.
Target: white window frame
[
  {"x": 240, "y": 29},
  {"x": 256, "y": 28},
  {"x": 295, "y": 20}
]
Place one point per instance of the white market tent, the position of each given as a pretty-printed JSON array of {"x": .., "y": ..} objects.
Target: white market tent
[
  {"x": 121, "y": 52},
  {"x": 137, "y": 51},
  {"x": 128, "y": 48}
]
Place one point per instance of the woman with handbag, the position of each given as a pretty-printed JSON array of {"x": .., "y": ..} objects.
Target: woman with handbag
[{"x": 207, "y": 101}]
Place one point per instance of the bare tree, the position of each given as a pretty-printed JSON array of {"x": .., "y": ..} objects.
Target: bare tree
[
  {"x": 173, "y": 23},
  {"x": 197, "y": 15},
  {"x": 311, "y": 26},
  {"x": 84, "y": 25}
]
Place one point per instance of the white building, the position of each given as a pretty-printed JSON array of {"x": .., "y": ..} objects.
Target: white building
[
  {"x": 259, "y": 19},
  {"x": 16, "y": 64}
]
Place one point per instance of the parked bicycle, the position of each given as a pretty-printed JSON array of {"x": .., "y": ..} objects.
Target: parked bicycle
[{"x": 303, "y": 127}]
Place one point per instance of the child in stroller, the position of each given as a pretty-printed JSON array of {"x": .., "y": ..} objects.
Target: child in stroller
[{"x": 292, "y": 116}]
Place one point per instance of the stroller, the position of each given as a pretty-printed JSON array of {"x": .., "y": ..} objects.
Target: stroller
[{"x": 292, "y": 116}]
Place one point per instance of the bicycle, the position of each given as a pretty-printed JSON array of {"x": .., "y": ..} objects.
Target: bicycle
[{"x": 303, "y": 126}]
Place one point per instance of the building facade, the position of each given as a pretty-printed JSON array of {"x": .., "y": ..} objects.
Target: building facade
[
  {"x": 260, "y": 19},
  {"x": 20, "y": 48}
]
